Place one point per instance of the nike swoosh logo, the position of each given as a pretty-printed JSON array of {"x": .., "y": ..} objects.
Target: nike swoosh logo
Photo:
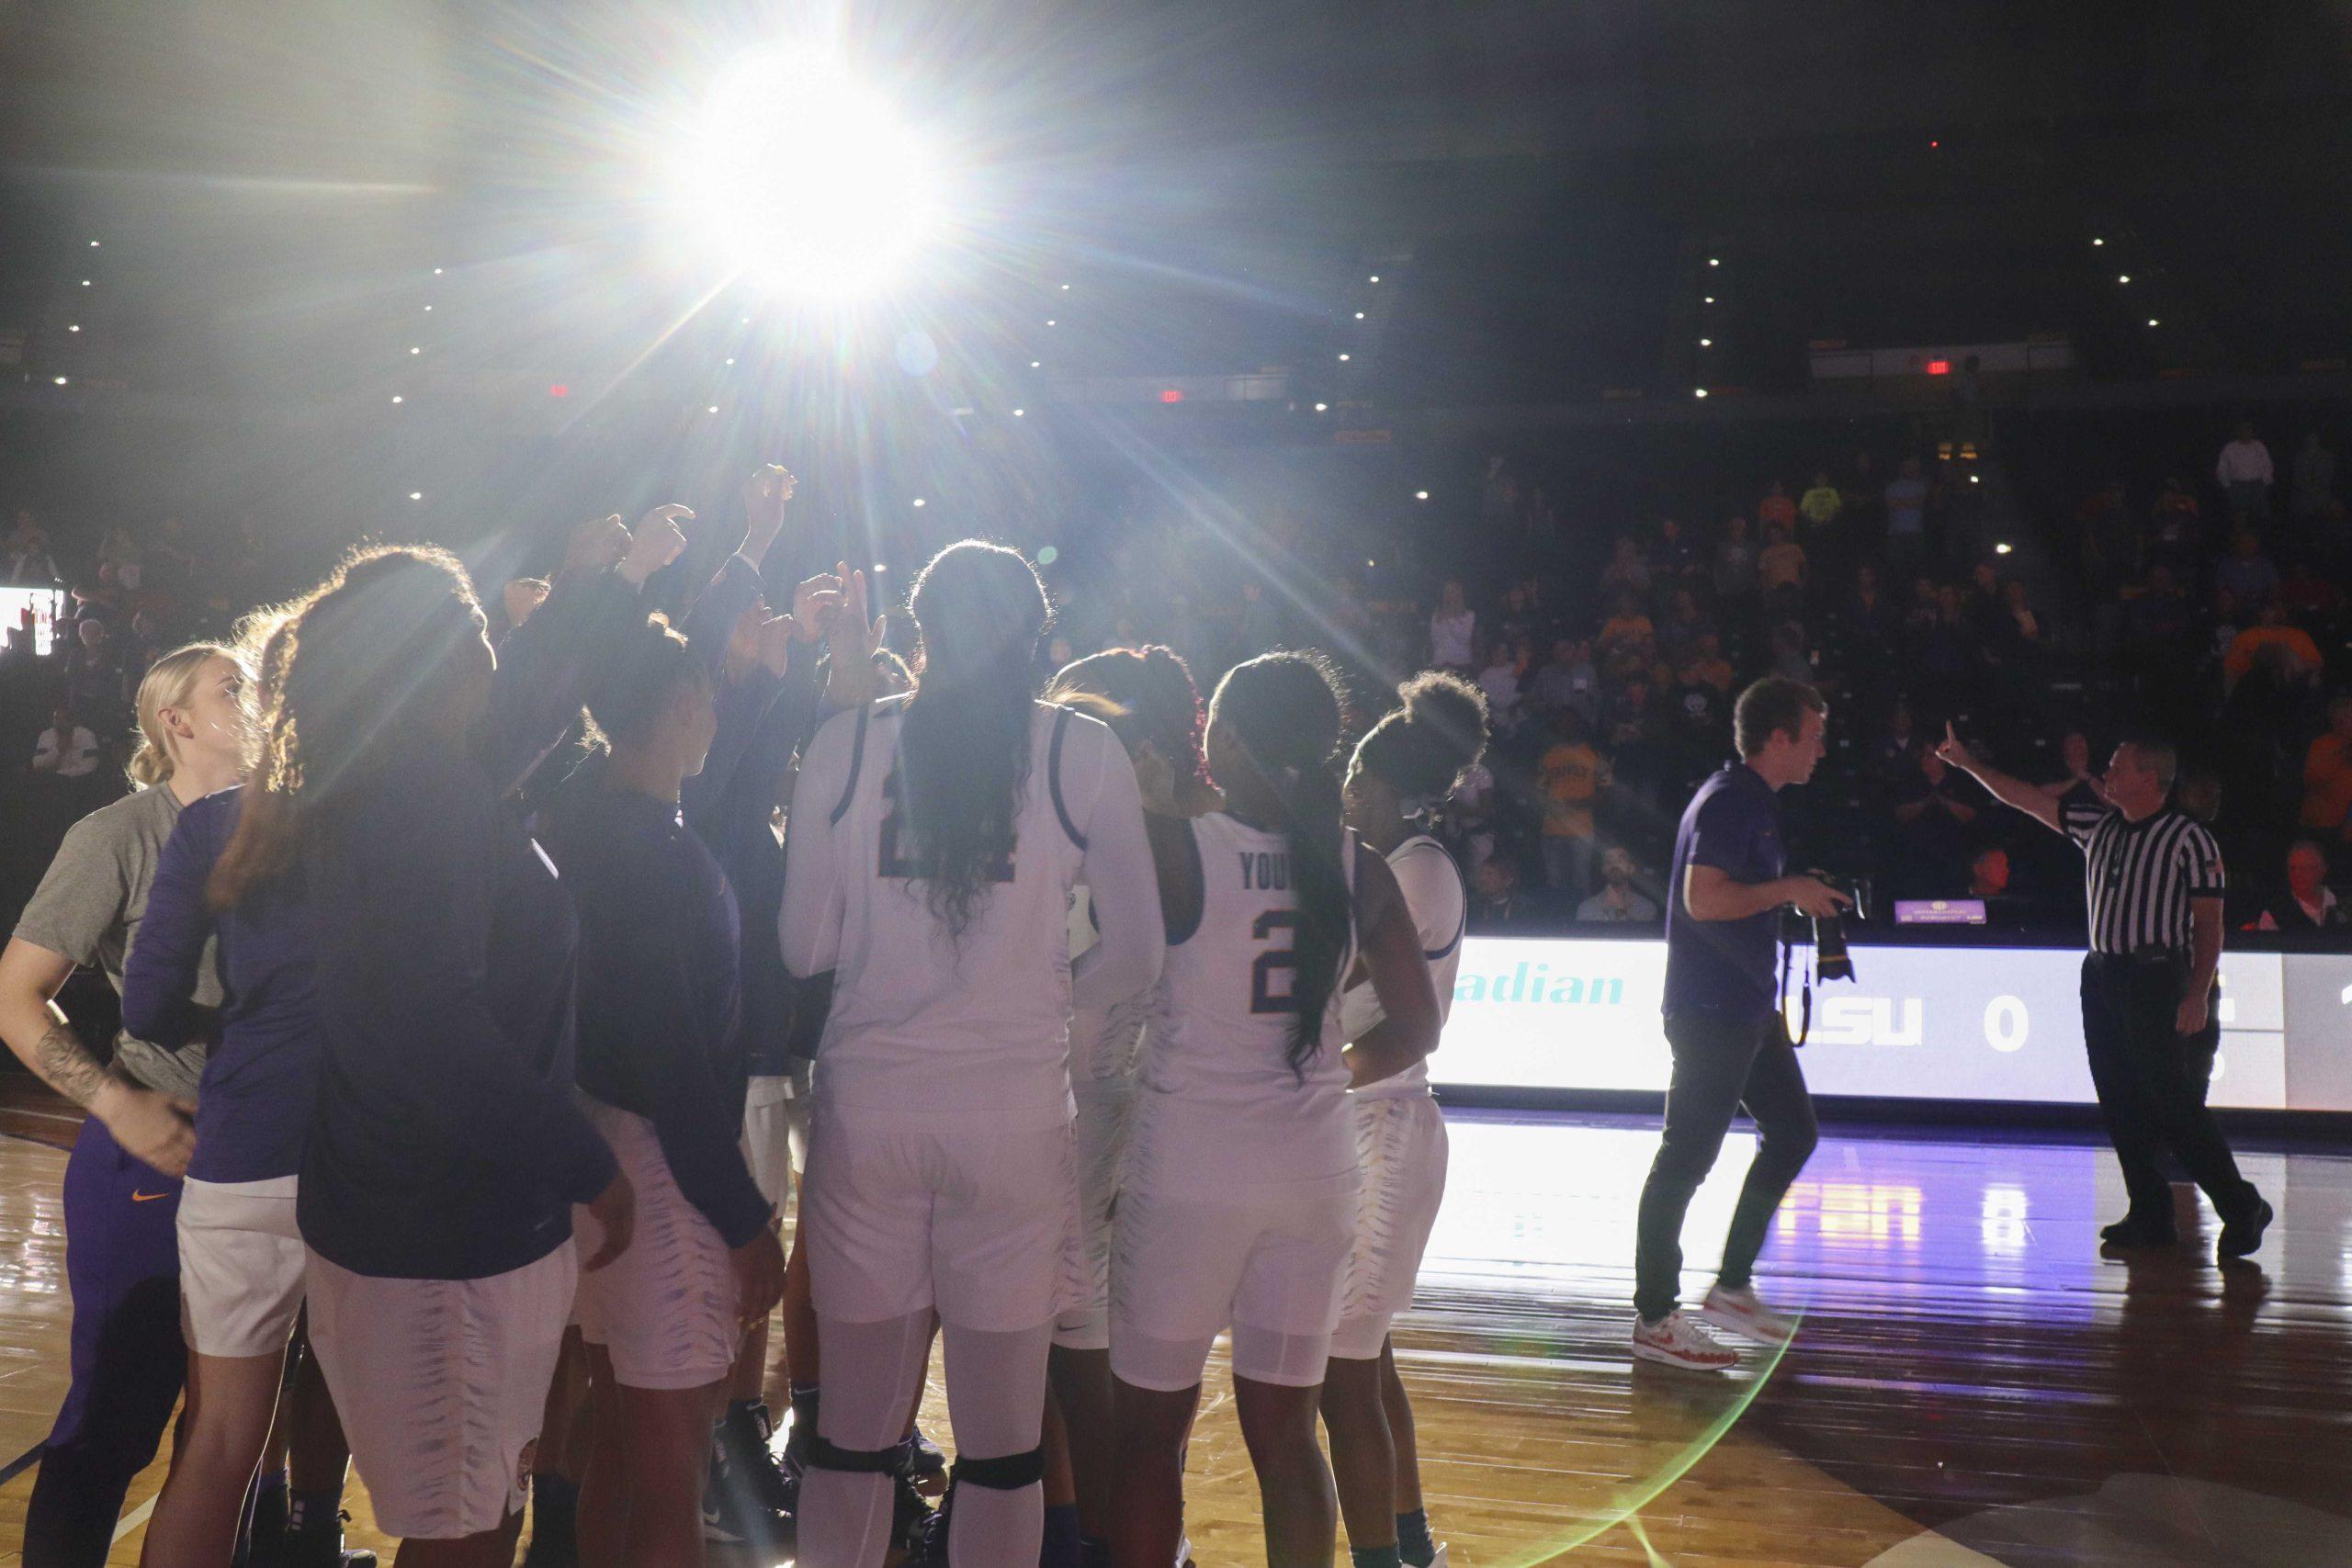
[{"x": 138, "y": 1197}]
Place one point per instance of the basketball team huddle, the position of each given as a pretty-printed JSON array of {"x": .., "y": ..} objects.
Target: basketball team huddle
[{"x": 1093, "y": 1022}]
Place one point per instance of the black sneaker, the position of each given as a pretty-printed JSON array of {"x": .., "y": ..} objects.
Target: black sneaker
[
  {"x": 912, "y": 1518},
  {"x": 2138, "y": 1230},
  {"x": 319, "y": 1547},
  {"x": 733, "y": 1513},
  {"x": 2243, "y": 1234},
  {"x": 549, "y": 1551},
  {"x": 746, "y": 1437},
  {"x": 919, "y": 1456},
  {"x": 926, "y": 1540}
]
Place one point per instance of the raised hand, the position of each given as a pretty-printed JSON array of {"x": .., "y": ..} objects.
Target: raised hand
[
  {"x": 1954, "y": 751},
  {"x": 597, "y": 545},
  {"x": 853, "y": 639},
  {"x": 764, "y": 495},
  {"x": 656, "y": 541}
]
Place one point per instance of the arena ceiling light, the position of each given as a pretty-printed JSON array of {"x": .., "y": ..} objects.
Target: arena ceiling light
[{"x": 805, "y": 178}]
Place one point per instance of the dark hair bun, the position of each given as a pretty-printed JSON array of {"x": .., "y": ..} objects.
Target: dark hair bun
[{"x": 1421, "y": 748}]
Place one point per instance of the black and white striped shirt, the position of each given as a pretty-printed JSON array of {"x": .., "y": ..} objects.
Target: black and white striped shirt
[{"x": 2141, "y": 876}]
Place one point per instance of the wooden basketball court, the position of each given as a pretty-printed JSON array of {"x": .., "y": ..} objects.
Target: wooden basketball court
[{"x": 1974, "y": 1384}]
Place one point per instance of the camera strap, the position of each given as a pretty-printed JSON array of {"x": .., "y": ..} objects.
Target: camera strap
[{"x": 1805, "y": 992}]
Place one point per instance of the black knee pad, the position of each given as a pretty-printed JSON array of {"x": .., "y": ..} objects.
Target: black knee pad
[
  {"x": 824, "y": 1454},
  {"x": 1006, "y": 1473}
]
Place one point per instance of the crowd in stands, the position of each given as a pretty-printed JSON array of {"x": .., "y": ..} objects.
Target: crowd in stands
[{"x": 1610, "y": 655}]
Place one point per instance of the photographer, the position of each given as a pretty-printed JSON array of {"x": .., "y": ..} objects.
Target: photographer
[
  {"x": 1723, "y": 1025},
  {"x": 2150, "y": 985}
]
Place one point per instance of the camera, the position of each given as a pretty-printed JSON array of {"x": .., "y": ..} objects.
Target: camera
[{"x": 1831, "y": 960}]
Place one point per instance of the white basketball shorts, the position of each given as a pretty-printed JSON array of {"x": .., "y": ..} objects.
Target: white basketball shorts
[
  {"x": 1197, "y": 1250},
  {"x": 663, "y": 1310},
  {"x": 242, "y": 1262},
  {"x": 767, "y": 1137},
  {"x": 1401, "y": 1141},
  {"x": 441, "y": 1384},
  {"x": 900, "y": 1215}
]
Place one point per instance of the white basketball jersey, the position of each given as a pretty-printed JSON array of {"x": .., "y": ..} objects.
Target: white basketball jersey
[
  {"x": 1440, "y": 907},
  {"x": 1216, "y": 1048},
  {"x": 924, "y": 1024}
]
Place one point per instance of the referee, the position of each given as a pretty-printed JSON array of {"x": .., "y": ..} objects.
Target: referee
[{"x": 2150, "y": 983}]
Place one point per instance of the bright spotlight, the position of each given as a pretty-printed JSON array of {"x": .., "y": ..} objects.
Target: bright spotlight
[
  {"x": 806, "y": 179},
  {"x": 1018, "y": 413},
  {"x": 1698, "y": 391},
  {"x": 417, "y": 495},
  {"x": 1420, "y": 495},
  {"x": 1320, "y": 407},
  {"x": 2002, "y": 549},
  {"x": 918, "y": 500}
]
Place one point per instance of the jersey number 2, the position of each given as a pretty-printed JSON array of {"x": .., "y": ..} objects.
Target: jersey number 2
[{"x": 1282, "y": 960}]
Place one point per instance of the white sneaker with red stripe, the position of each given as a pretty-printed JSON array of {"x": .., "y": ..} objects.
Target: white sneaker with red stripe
[
  {"x": 1739, "y": 1312},
  {"x": 1677, "y": 1341}
]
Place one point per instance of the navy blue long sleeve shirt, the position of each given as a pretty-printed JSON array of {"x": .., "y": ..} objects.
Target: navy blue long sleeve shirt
[
  {"x": 659, "y": 1013},
  {"x": 448, "y": 1144},
  {"x": 763, "y": 720},
  {"x": 448, "y": 1141}
]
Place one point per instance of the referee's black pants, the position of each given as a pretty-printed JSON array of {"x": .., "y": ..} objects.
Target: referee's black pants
[{"x": 2152, "y": 1082}]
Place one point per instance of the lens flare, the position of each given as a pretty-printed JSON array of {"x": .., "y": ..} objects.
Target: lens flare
[{"x": 806, "y": 179}]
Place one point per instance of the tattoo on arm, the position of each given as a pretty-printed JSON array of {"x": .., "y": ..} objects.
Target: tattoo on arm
[{"x": 68, "y": 1065}]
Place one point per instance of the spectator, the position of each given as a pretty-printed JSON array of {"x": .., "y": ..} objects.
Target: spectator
[
  {"x": 2299, "y": 655},
  {"x": 1989, "y": 873},
  {"x": 1735, "y": 567},
  {"x": 2176, "y": 530},
  {"x": 2080, "y": 796},
  {"x": 1619, "y": 902},
  {"x": 1566, "y": 681},
  {"x": 1932, "y": 816},
  {"x": 1674, "y": 559},
  {"x": 2022, "y": 633},
  {"x": 1627, "y": 574},
  {"x": 1776, "y": 507},
  {"x": 65, "y": 749},
  {"x": 1685, "y": 624},
  {"x": 1890, "y": 754},
  {"x": 1453, "y": 628},
  {"x": 2313, "y": 485},
  {"x": 2245, "y": 475},
  {"x": 1707, "y": 664},
  {"x": 2328, "y": 774},
  {"x": 2246, "y": 574},
  {"x": 2308, "y": 904},
  {"x": 2160, "y": 615},
  {"x": 1820, "y": 506},
  {"x": 1627, "y": 633},
  {"x": 1495, "y": 901},
  {"x": 1781, "y": 567},
  {"x": 1907, "y": 517},
  {"x": 1573, "y": 774},
  {"x": 1499, "y": 680},
  {"x": 26, "y": 556}
]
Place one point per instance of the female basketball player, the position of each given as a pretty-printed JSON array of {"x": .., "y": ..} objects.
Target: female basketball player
[
  {"x": 445, "y": 1148},
  {"x": 661, "y": 1066},
  {"x": 1155, "y": 710},
  {"x": 1238, "y": 1198},
  {"x": 934, "y": 843},
  {"x": 122, "y": 1184},
  {"x": 1402, "y": 771}
]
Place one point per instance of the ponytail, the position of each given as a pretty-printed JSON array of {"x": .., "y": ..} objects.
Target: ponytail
[
  {"x": 964, "y": 744},
  {"x": 1283, "y": 708},
  {"x": 169, "y": 682},
  {"x": 1421, "y": 748}
]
